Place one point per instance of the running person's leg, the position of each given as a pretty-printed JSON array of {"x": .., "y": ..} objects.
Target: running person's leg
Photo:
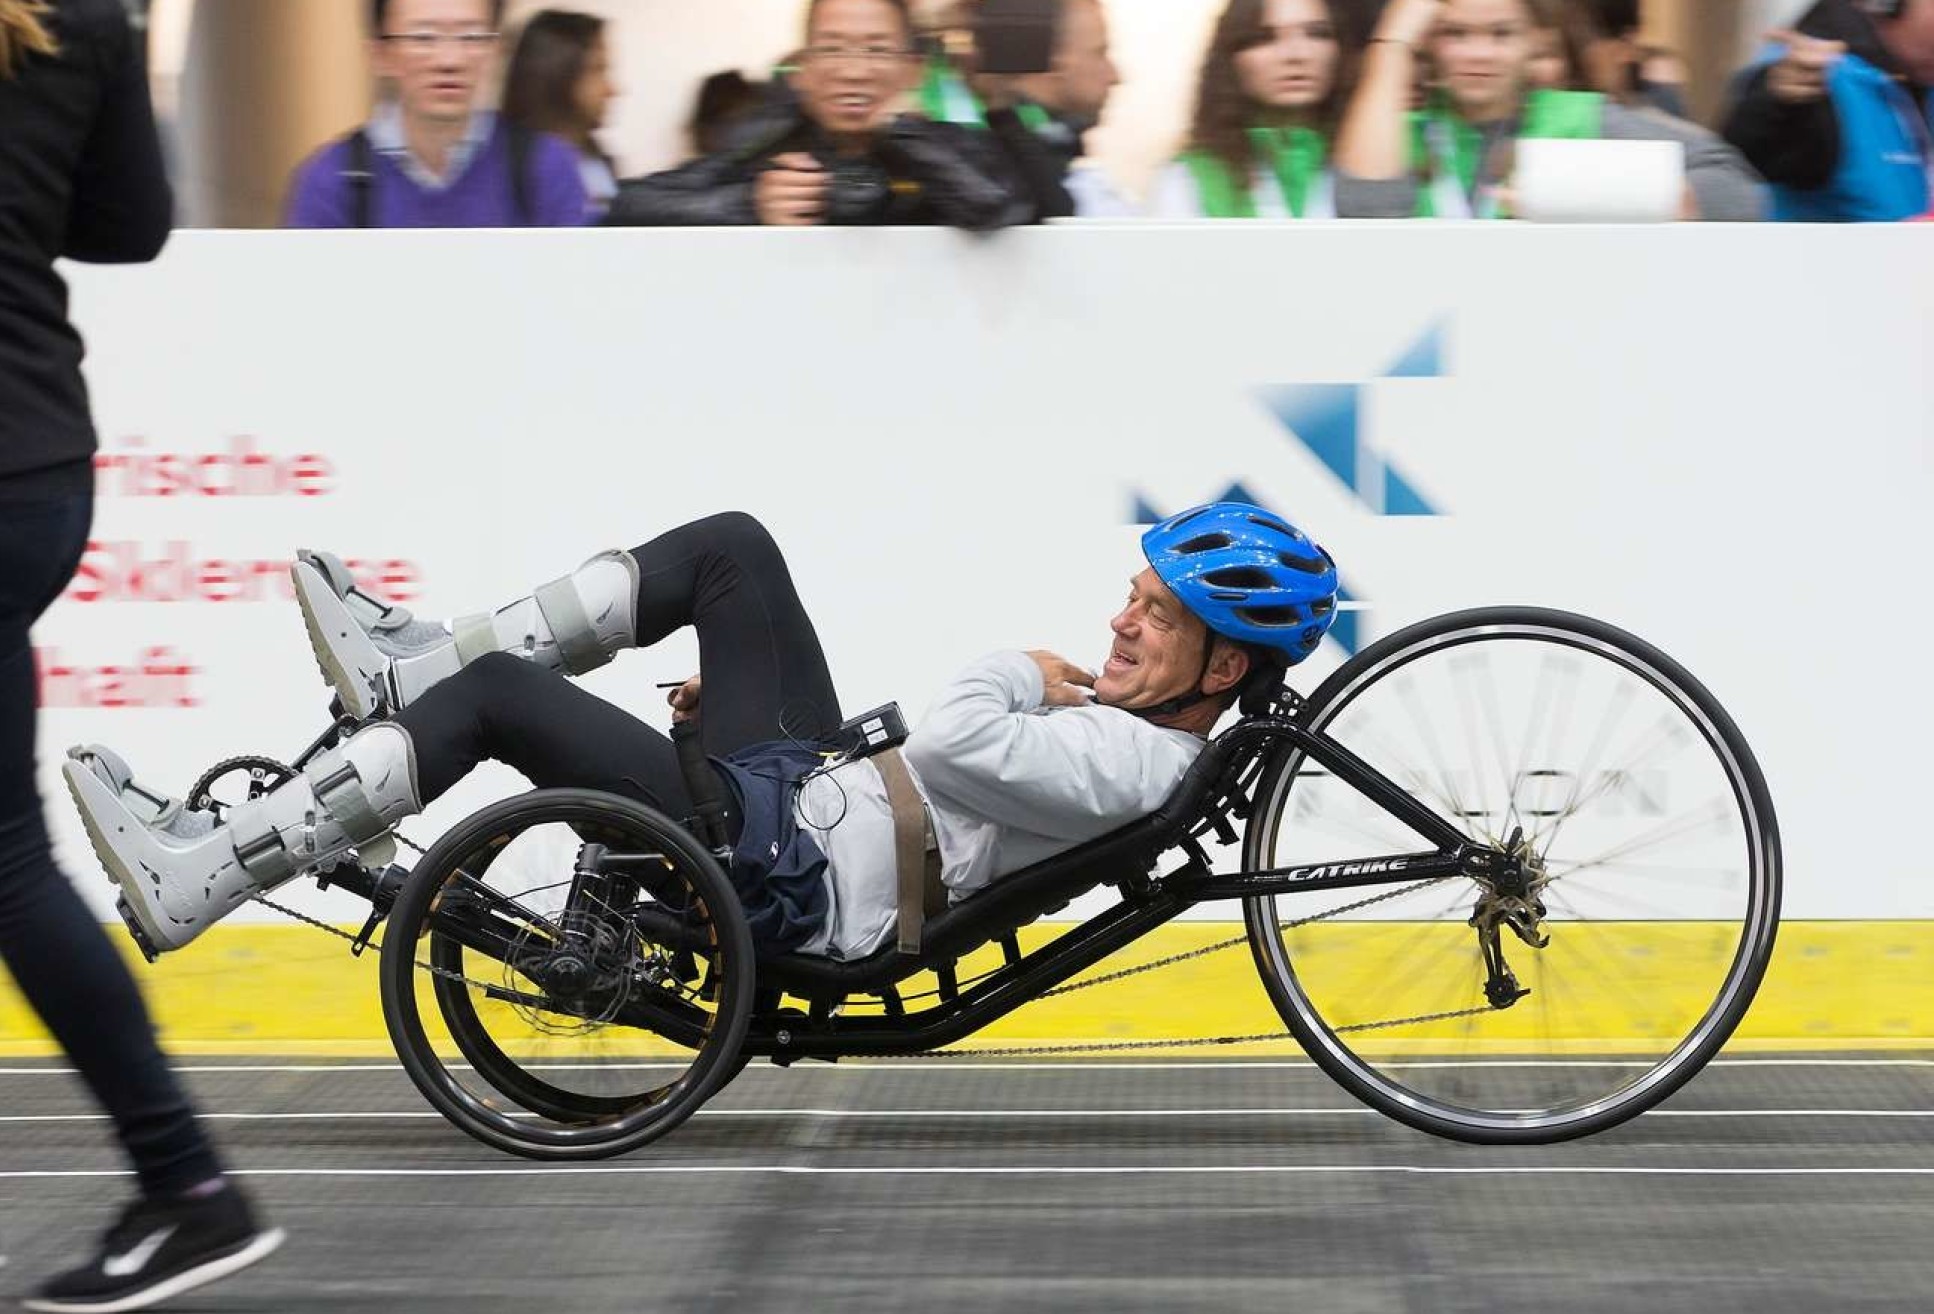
[
  {"x": 70, "y": 974},
  {"x": 65, "y": 966}
]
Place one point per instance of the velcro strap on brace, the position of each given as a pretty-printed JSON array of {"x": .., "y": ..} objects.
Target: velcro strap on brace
[
  {"x": 476, "y": 637},
  {"x": 369, "y": 612},
  {"x": 339, "y": 792},
  {"x": 577, "y": 642},
  {"x": 259, "y": 847}
]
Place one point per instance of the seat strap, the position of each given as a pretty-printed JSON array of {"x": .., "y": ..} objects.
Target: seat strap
[{"x": 916, "y": 853}]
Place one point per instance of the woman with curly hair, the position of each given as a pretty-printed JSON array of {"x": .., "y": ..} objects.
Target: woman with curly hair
[{"x": 1273, "y": 88}]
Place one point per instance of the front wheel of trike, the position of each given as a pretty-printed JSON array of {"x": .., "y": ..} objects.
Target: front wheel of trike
[
  {"x": 567, "y": 975},
  {"x": 1641, "y": 910}
]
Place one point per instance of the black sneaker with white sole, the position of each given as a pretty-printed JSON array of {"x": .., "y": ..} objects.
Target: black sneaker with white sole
[{"x": 159, "y": 1249}]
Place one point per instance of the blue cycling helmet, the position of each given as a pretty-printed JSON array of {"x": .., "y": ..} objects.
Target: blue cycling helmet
[{"x": 1248, "y": 575}]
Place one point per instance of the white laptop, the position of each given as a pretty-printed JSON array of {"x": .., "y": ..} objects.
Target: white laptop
[{"x": 1600, "y": 182}]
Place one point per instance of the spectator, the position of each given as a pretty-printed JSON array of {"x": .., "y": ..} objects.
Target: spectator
[
  {"x": 80, "y": 168},
  {"x": 1837, "y": 112},
  {"x": 1273, "y": 87},
  {"x": 430, "y": 157},
  {"x": 1454, "y": 160},
  {"x": 1626, "y": 69},
  {"x": 848, "y": 150},
  {"x": 559, "y": 82},
  {"x": 725, "y": 101},
  {"x": 1562, "y": 53},
  {"x": 1062, "y": 106}
]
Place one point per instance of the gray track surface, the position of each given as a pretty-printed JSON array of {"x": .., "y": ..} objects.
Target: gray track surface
[{"x": 1764, "y": 1187}]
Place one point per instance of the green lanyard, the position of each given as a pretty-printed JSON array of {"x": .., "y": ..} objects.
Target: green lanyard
[
  {"x": 1451, "y": 154},
  {"x": 1299, "y": 157},
  {"x": 945, "y": 97}
]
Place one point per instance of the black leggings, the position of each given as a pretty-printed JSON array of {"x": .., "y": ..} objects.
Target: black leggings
[
  {"x": 64, "y": 963},
  {"x": 765, "y": 679}
]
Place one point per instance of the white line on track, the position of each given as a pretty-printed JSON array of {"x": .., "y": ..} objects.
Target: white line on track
[
  {"x": 1153, "y": 1170},
  {"x": 969, "y": 1115},
  {"x": 1102, "y": 1065}
]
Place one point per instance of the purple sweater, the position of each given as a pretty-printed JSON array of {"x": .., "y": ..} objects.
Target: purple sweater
[{"x": 481, "y": 197}]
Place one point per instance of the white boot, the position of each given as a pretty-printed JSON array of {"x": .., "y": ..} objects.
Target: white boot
[
  {"x": 180, "y": 872},
  {"x": 376, "y": 656}
]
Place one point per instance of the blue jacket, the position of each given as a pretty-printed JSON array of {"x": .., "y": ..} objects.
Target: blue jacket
[
  {"x": 1859, "y": 155},
  {"x": 1884, "y": 160}
]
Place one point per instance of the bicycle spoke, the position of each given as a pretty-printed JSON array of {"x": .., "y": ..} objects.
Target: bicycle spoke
[
  {"x": 1643, "y": 902},
  {"x": 1459, "y": 811}
]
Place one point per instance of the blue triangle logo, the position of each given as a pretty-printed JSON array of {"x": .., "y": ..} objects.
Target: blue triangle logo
[{"x": 1424, "y": 359}]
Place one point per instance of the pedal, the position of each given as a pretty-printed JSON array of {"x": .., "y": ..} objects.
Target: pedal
[
  {"x": 141, "y": 940},
  {"x": 363, "y": 937}
]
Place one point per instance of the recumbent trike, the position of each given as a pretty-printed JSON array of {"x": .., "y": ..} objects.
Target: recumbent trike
[{"x": 1508, "y": 876}]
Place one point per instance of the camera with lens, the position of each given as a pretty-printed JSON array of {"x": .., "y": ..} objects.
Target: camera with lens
[{"x": 857, "y": 191}]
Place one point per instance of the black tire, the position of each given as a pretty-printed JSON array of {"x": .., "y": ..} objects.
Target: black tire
[
  {"x": 551, "y": 1121},
  {"x": 1405, "y": 1083}
]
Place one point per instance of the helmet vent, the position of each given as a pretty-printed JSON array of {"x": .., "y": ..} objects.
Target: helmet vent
[
  {"x": 1322, "y": 607},
  {"x": 1239, "y": 577},
  {"x": 1204, "y": 543},
  {"x": 1270, "y": 522},
  {"x": 1271, "y": 617},
  {"x": 1304, "y": 564}
]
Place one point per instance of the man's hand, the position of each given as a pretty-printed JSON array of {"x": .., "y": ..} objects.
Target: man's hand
[
  {"x": 1065, "y": 684},
  {"x": 684, "y": 701},
  {"x": 792, "y": 192},
  {"x": 1801, "y": 77}
]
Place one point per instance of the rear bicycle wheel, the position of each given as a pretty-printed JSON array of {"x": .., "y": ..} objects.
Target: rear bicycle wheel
[
  {"x": 1639, "y": 934},
  {"x": 567, "y": 975}
]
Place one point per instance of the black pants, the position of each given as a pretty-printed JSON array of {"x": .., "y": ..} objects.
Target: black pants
[
  {"x": 63, "y": 962},
  {"x": 765, "y": 679}
]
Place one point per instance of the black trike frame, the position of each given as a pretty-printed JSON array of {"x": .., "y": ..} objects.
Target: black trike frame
[{"x": 1220, "y": 789}]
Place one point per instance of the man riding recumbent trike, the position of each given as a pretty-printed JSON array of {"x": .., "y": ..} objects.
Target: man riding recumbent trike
[{"x": 1488, "y": 848}]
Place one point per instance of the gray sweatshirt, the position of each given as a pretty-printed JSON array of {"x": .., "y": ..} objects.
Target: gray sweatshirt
[
  {"x": 1009, "y": 783},
  {"x": 1727, "y": 188}
]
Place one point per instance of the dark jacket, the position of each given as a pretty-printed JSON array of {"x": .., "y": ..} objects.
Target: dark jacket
[
  {"x": 1058, "y": 145},
  {"x": 81, "y": 177},
  {"x": 1800, "y": 147},
  {"x": 918, "y": 173}
]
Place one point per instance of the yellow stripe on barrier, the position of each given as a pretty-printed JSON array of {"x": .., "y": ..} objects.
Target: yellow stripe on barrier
[{"x": 285, "y": 990}]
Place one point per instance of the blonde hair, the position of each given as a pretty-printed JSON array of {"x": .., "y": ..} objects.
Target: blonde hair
[{"x": 23, "y": 32}]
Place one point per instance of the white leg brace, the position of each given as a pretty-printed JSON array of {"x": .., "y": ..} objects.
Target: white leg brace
[
  {"x": 176, "y": 888},
  {"x": 376, "y": 655}
]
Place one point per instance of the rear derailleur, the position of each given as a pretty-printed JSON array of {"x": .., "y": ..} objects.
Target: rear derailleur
[{"x": 1511, "y": 899}]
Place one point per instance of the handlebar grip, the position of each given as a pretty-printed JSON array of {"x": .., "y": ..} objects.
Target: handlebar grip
[{"x": 702, "y": 783}]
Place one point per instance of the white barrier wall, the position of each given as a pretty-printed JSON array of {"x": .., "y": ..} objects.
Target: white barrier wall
[{"x": 1720, "y": 438}]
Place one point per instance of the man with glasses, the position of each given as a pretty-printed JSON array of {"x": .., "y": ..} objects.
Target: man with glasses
[
  {"x": 430, "y": 157},
  {"x": 847, "y": 147}
]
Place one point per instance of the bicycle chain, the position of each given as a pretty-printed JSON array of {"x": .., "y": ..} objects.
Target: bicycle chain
[
  {"x": 1120, "y": 1046},
  {"x": 1021, "y": 1051},
  {"x": 337, "y": 931}
]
